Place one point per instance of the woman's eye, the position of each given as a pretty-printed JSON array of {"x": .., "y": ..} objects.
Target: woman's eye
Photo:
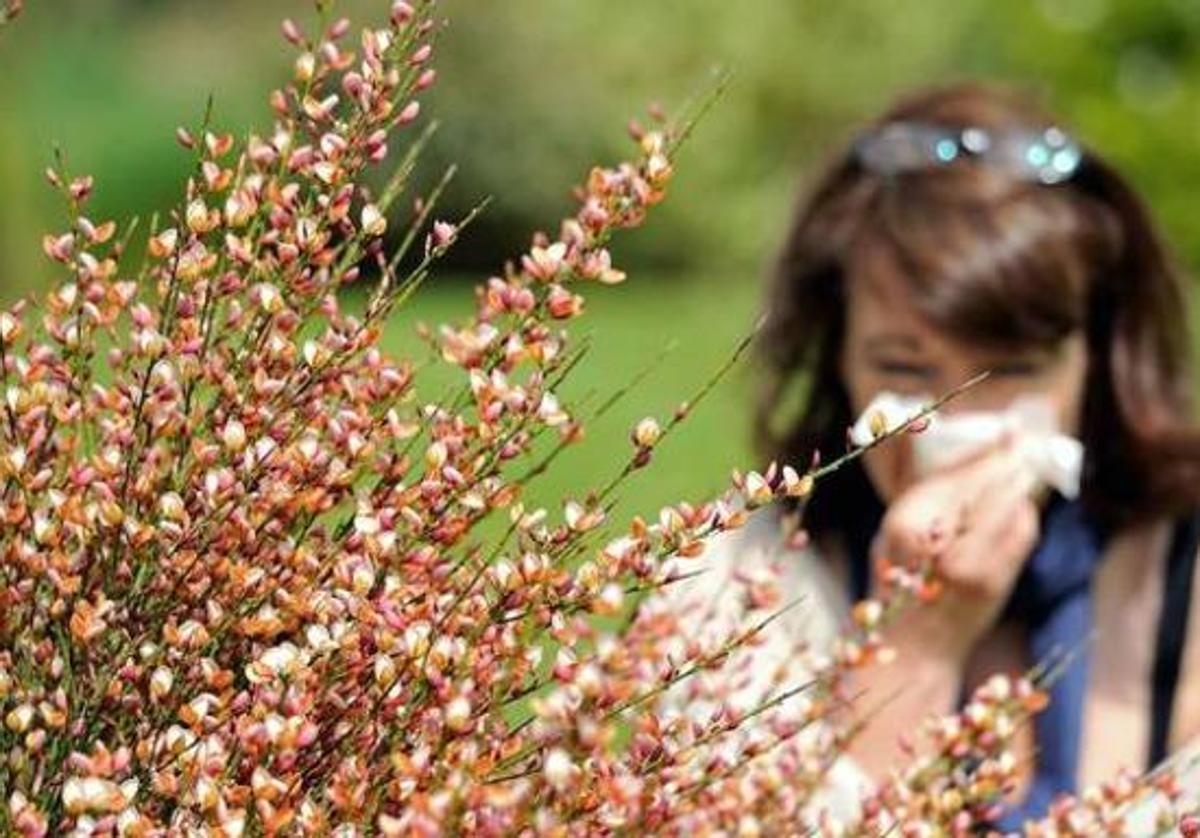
[
  {"x": 1016, "y": 369},
  {"x": 907, "y": 369}
]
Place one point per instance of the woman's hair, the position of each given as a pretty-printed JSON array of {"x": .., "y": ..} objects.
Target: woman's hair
[{"x": 991, "y": 256}]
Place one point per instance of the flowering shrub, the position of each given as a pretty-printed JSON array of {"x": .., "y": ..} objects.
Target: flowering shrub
[{"x": 252, "y": 579}]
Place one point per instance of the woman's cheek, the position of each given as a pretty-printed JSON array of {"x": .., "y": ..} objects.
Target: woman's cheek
[
  {"x": 887, "y": 465},
  {"x": 889, "y": 468},
  {"x": 1068, "y": 401}
]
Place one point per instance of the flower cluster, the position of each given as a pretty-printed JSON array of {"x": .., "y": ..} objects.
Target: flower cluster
[
  {"x": 969, "y": 768},
  {"x": 253, "y": 580}
]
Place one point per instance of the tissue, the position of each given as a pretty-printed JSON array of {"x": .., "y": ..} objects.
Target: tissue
[{"x": 1054, "y": 458}]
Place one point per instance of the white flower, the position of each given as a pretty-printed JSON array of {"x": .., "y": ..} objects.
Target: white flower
[
  {"x": 545, "y": 262},
  {"x": 458, "y": 714},
  {"x": 886, "y": 412},
  {"x": 234, "y": 435},
  {"x": 757, "y": 490},
  {"x": 94, "y": 794},
  {"x": 197, "y": 216},
  {"x": 558, "y": 769},
  {"x": 282, "y": 659},
  {"x": 647, "y": 433},
  {"x": 373, "y": 221},
  {"x": 550, "y": 412},
  {"x": 161, "y": 682}
]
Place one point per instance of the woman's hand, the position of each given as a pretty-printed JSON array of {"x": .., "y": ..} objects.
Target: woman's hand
[{"x": 977, "y": 522}]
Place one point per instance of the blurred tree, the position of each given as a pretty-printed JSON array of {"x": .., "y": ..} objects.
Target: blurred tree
[{"x": 534, "y": 90}]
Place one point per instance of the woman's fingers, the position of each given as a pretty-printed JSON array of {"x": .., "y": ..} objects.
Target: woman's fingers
[
  {"x": 991, "y": 550},
  {"x": 914, "y": 526},
  {"x": 1008, "y": 475},
  {"x": 976, "y": 522}
]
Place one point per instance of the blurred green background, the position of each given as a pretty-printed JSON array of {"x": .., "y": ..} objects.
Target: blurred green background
[{"x": 532, "y": 91}]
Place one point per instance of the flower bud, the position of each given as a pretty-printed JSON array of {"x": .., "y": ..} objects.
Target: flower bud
[
  {"x": 306, "y": 67},
  {"x": 867, "y": 614},
  {"x": 385, "y": 671},
  {"x": 646, "y": 433},
  {"x": 163, "y": 245},
  {"x": 757, "y": 490},
  {"x": 111, "y": 514},
  {"x": 402, "y": 12},
  {"x": 609, "y": 600},
  {"x": 458, "y": 714},
  {"x": 269, "y": 298},
  {"x": 197, "y": 217},
  {"x": 339, "y": 28},
  {"x": 444, "y": 233},
  {"x": 558, "y": 769},
  {"x": 92, "y": 794},
  {"x": 421, "y": 54},
  {"x": 234, "y": 436},
  {"x": 436, "y": 455},
  {"x": 291, "y": 31},
  {"x": 10, "y": 327},
  {"x": 171, "y": 506},
  {"x": 796, "y": 485},
  {"x": 374, "y": 223},
  {"x": 161, "y": 682},
  {"x": 19, "y": 718},
  {"x": 408, "y": 113}
]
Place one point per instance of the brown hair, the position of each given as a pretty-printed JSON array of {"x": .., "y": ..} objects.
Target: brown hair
[{"x": 987, "y": 255}]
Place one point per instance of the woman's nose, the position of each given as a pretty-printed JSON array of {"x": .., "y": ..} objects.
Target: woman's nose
[{"x": 974, "y": 394}]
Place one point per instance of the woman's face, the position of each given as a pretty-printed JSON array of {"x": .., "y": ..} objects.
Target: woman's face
[{"x": 888, "y": 347}]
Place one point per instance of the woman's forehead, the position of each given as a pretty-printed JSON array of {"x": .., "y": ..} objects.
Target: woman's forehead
[
  {"x": 970, "y": 297},
  {"x": 881, "y": 317}
]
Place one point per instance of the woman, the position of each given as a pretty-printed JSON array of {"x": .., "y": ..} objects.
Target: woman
[{"x": 963, "y": 232}]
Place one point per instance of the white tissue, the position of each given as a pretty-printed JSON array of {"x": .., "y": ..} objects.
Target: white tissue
[
  {"x": 886, "y": 412},
  {"x": 1054, "y": 458}
]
